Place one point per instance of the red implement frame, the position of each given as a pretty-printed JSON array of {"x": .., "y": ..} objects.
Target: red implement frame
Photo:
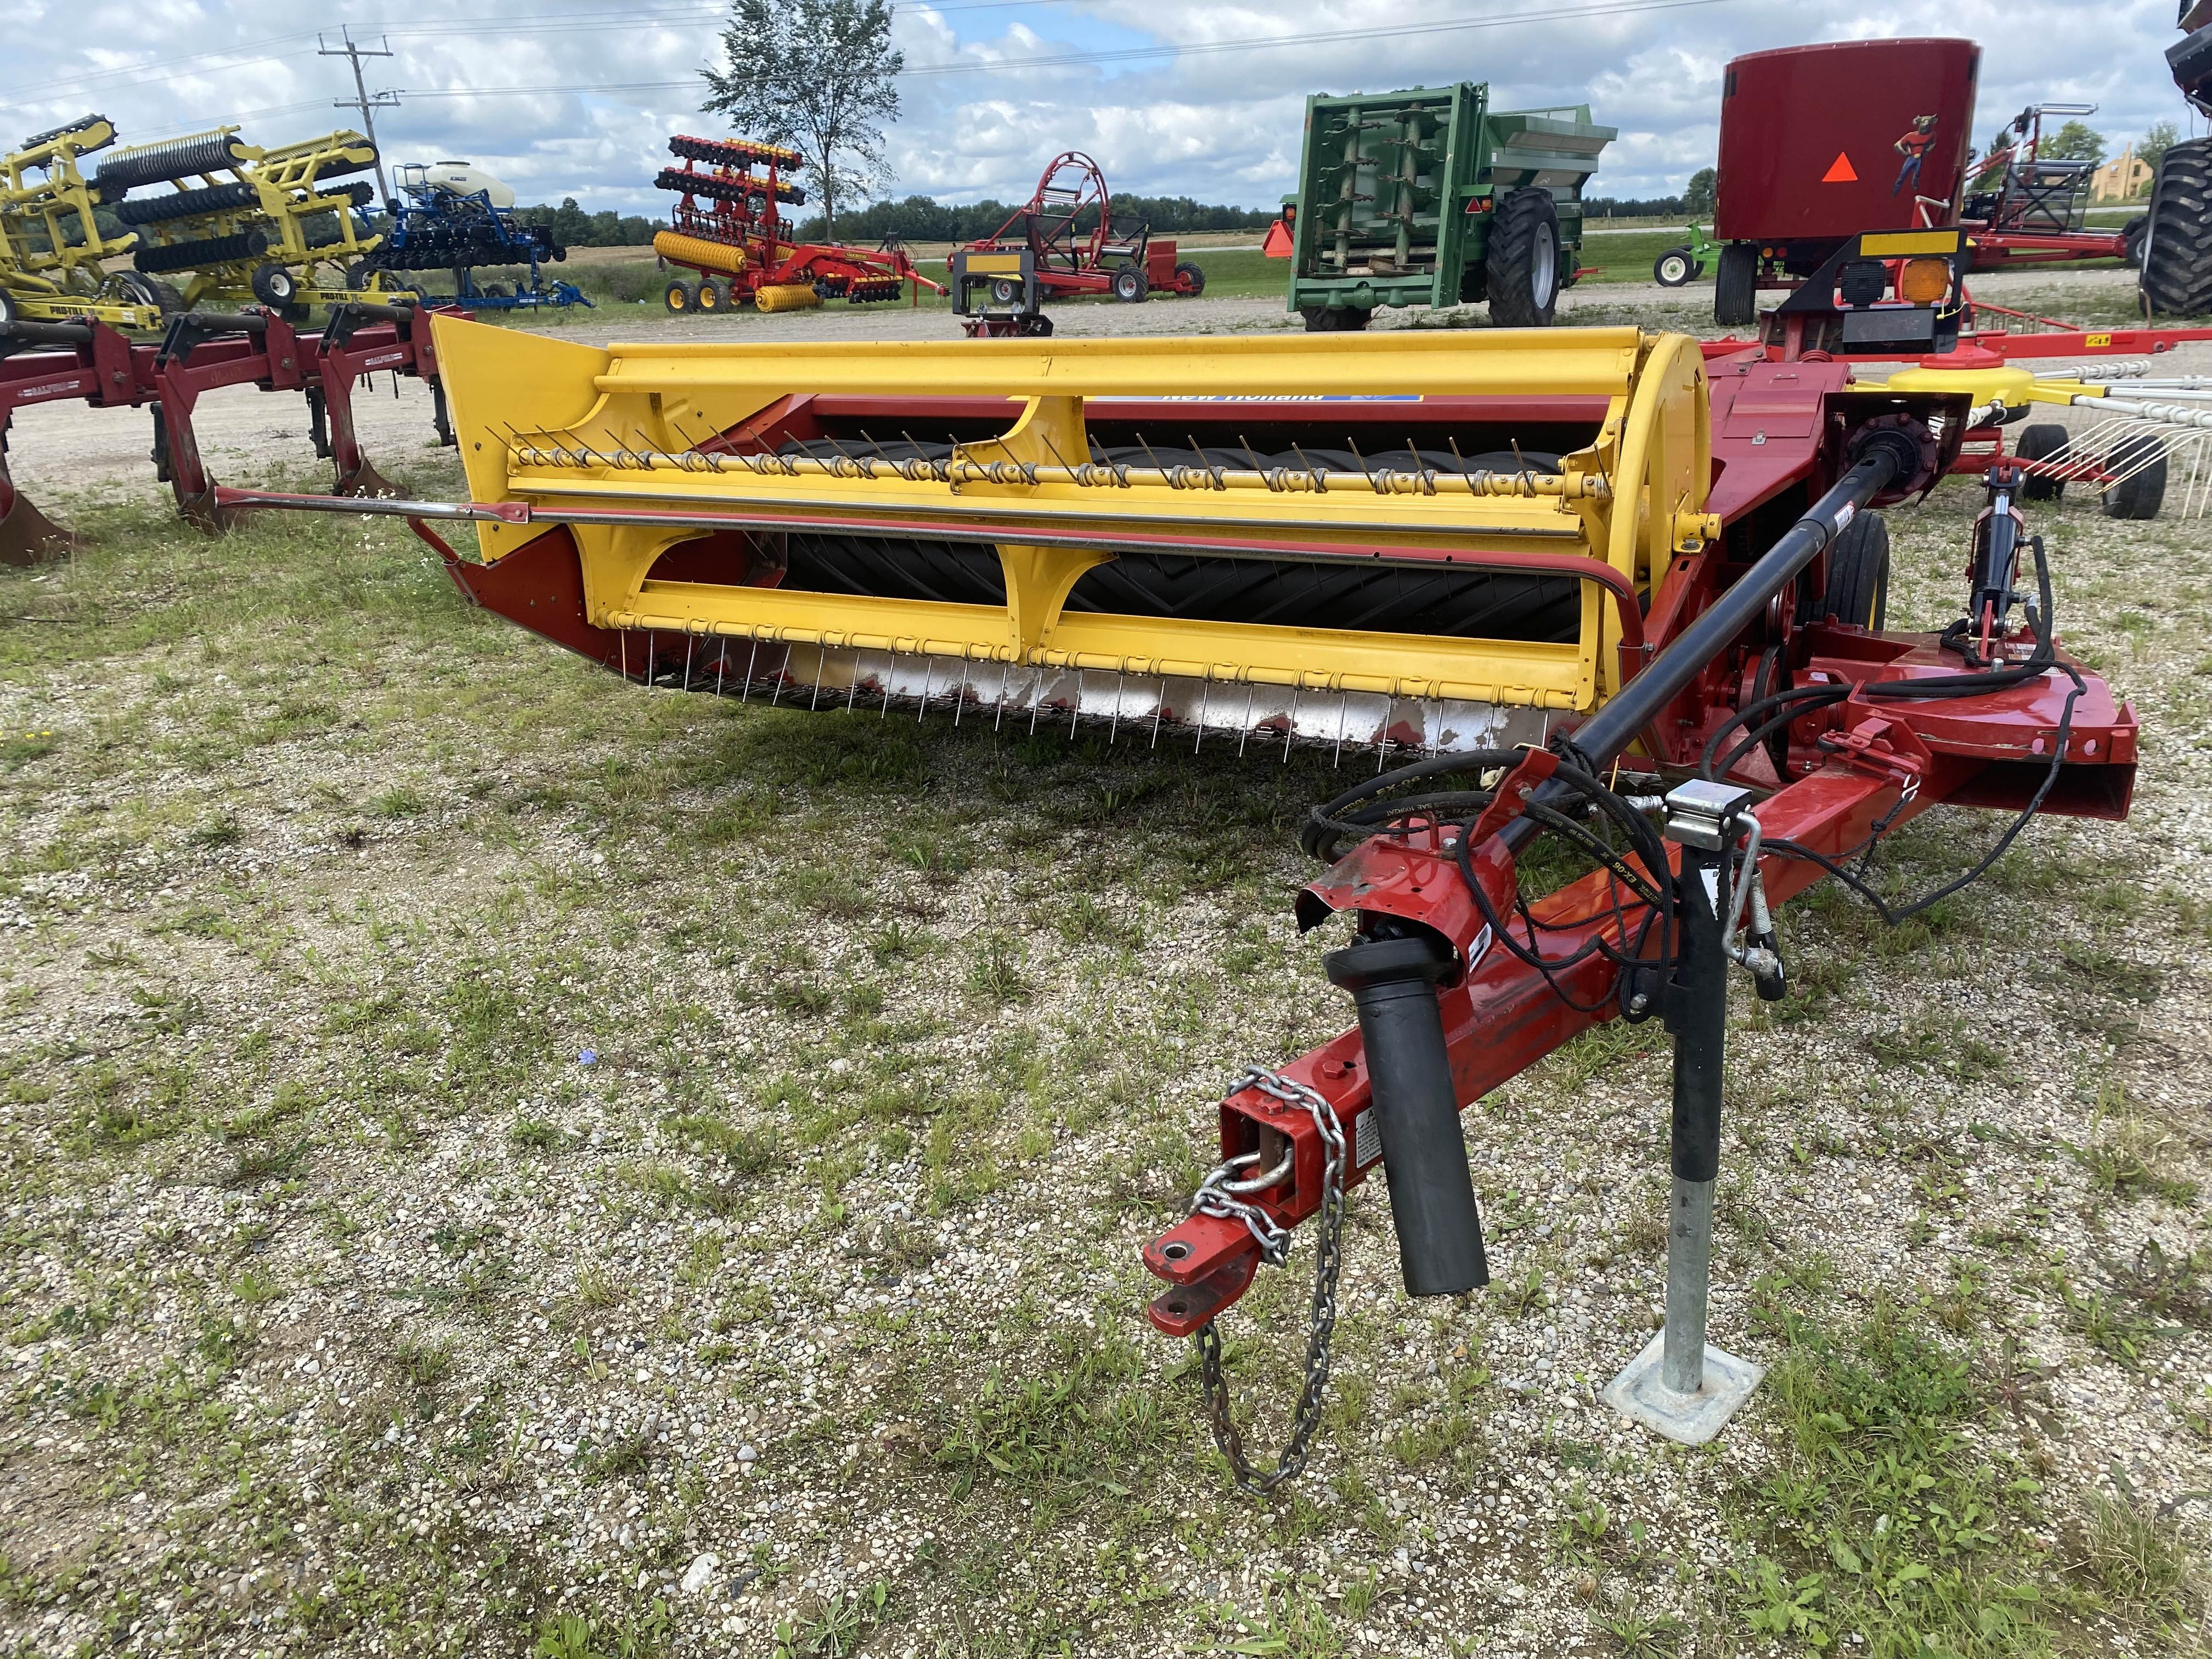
[
  {"x": 107, "y": 370},
  {"x": 1777, "y": 427}
]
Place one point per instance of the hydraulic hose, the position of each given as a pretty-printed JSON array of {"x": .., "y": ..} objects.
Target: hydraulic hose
[{"x": 1889, "y": 454}]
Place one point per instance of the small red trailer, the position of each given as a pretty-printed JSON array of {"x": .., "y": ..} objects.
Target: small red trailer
[{"x": 1067, "y": 227}]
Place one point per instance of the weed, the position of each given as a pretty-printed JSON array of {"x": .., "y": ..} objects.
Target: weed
[
  {"x": 2137, "y": 1559},
  {"x": 895, "y": 941},
  {"x": 533, "y": 1134},
  {"x": 423, "y": 1363},
  {"x": 995, "y": 975},
  {"x": 596, "y": 1286},
  {"x": 834, "y": 1628}
]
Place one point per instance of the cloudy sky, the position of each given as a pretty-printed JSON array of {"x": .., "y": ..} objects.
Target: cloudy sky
[{"x": 575, "y": 97}]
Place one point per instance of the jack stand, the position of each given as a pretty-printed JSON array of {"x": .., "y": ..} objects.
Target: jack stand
[{"x": 1681, "y": 1386}]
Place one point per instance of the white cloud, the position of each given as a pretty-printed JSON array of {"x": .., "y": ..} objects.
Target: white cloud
[{"x": 1219, "y": 126}]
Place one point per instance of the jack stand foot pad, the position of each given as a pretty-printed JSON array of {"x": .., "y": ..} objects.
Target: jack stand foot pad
[{"x": 1691, "y": 1419}]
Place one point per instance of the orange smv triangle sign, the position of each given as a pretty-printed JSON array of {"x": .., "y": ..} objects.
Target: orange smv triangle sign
[{"x": 1839, "y": 172}]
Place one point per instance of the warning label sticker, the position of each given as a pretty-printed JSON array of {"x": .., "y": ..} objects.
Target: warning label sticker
[{"x": 1366, "y": 1138}]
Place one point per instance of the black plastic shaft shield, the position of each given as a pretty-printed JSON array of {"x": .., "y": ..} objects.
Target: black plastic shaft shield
[
  {"x": 1394, "y": 984},
  {"x": 1697, "y": 1014}
]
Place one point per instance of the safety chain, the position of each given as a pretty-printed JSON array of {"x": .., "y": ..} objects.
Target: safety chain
[{"x": 1216, "y": 1196}]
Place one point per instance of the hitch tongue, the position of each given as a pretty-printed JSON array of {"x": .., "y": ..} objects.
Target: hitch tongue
[{"x": 1393, "y": 983}]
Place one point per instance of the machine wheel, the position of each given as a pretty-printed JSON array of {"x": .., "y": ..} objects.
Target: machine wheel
[
  {"x": 1006, "y": 290},
  {"x": 7, "y": 307},
  {"x": 1736, "y": 286},
  {"x": 169, "y": 297},
  {"x": 2044, "y": 442},
  {"x": 713, "y": 296},
  {"x": 681, "y": 298},
  {"x": 1130, "y": 285},
  {"x": 1189, "y": 280},
  {"x": 1522, "y": 268},
  {"x": 1675, "y": 268},
  {"x": 134, "y": 289},
  {"x": 2135, "y": 230},
  {"x": 2140, "y": 494},
  {"x": 1331, "y": 320},
  {"x": 1859, "y": 573},
  {"x": 2177, "y": 243},
  {"x": 359, "y": 275},
  {"x": 274, "y": 286}
]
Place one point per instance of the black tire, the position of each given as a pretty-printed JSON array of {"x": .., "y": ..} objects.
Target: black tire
[
  {"x": 169, "y": 297},
  {"x": 713, "y": 296},
  {"x": 1859, "y": 574},
  {"x": 1194, "y": 279},
  {"x": 359, "y": 276},
  {"x": 2142, "y": 492},
  {"x": 1522, "y": 266},
  {"x": 2044, "y": 442},
  {"x": 2177, "y": 248},
  {"x": 1334, "y": 319},
  {"x": 2135, "y": 230},
  {"x": 274, "y": 286},
  {"x": 1129, "y": 284},
  {"x": 1005, "y": 291},
  {"x": 1675, "y": 267},
  {"x": 680, "y": 297},
  {"x": 7, "y": 307},
  {"x": 1736, "y": 286}
]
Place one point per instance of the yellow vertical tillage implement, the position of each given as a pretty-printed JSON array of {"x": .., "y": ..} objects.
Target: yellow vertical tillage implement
[
  {"x": 243, "y": 224},
  {"x": 52, "y": 249}
]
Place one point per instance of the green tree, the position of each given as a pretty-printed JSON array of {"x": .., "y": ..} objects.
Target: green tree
[
  {"x": 2161, "y": 137},
  {"x": 2072, "y": 142},
  {"x": 819, "y": 75},
  {"x": 1698, "y": 194}
]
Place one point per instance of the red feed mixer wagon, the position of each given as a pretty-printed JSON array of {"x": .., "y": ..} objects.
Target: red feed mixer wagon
[{"x": 1821, "y": 143}]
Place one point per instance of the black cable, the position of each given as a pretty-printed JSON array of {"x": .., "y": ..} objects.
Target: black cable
[{"x": 2042, "y": 660}]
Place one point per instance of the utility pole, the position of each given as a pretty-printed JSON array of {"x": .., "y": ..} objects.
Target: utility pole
[{"x": 361, "y": 100}]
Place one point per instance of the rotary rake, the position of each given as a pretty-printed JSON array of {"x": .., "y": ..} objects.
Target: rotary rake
[
  {"x": 1550, "y": 575},
  {"x": 52, "y": 252},
  {"x": 728, "y": 228},
  {"x": 243, "y": 224}
]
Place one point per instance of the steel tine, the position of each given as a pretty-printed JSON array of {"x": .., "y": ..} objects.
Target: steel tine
[
  {"x": 1205, "y": 707},
  {"x": 721, "y": 662},
  {"x": 821, "y": 660},
  {"x": 691, "y": 642},
  {"x": 652, "y": 658},
  {"x": 928, "y": 667},
  {"x": 1251, "y": 698},
  {"x": 960, "y": 694},
  {"x": 853, "y": 683},
  {"x": 1290, "y": 727},
  {"x": 749, "y": 661},
  {"x": 1075, "y": 706},
  {"x": 1113, "y": 726}
]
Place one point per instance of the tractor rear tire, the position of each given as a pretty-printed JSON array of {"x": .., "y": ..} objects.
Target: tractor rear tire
[
  {"x": 1736, "y": 286},
  {"x": 1130, "y": 284},
  {"x": 1522, "y": 268},
  {"x": 1859, "y": 573},
  {"x": 2176, "y": 244},
  {"x": 1675, "y": 267},
  {"x": 2044, "y": 442},
  {"x": 1190, "y": 280},
  {"x": 680, "y": 297},
  {"x": 2140, "y": 494}
]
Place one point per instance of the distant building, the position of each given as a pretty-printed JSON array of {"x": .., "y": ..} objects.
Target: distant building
[{"x": 2123, "y": 177}]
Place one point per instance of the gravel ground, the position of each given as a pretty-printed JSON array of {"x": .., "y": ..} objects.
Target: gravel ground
[{"x": 492, "y": 1161}]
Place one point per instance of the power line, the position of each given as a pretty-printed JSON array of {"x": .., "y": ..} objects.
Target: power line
[{"x": 367, "y": 106}]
